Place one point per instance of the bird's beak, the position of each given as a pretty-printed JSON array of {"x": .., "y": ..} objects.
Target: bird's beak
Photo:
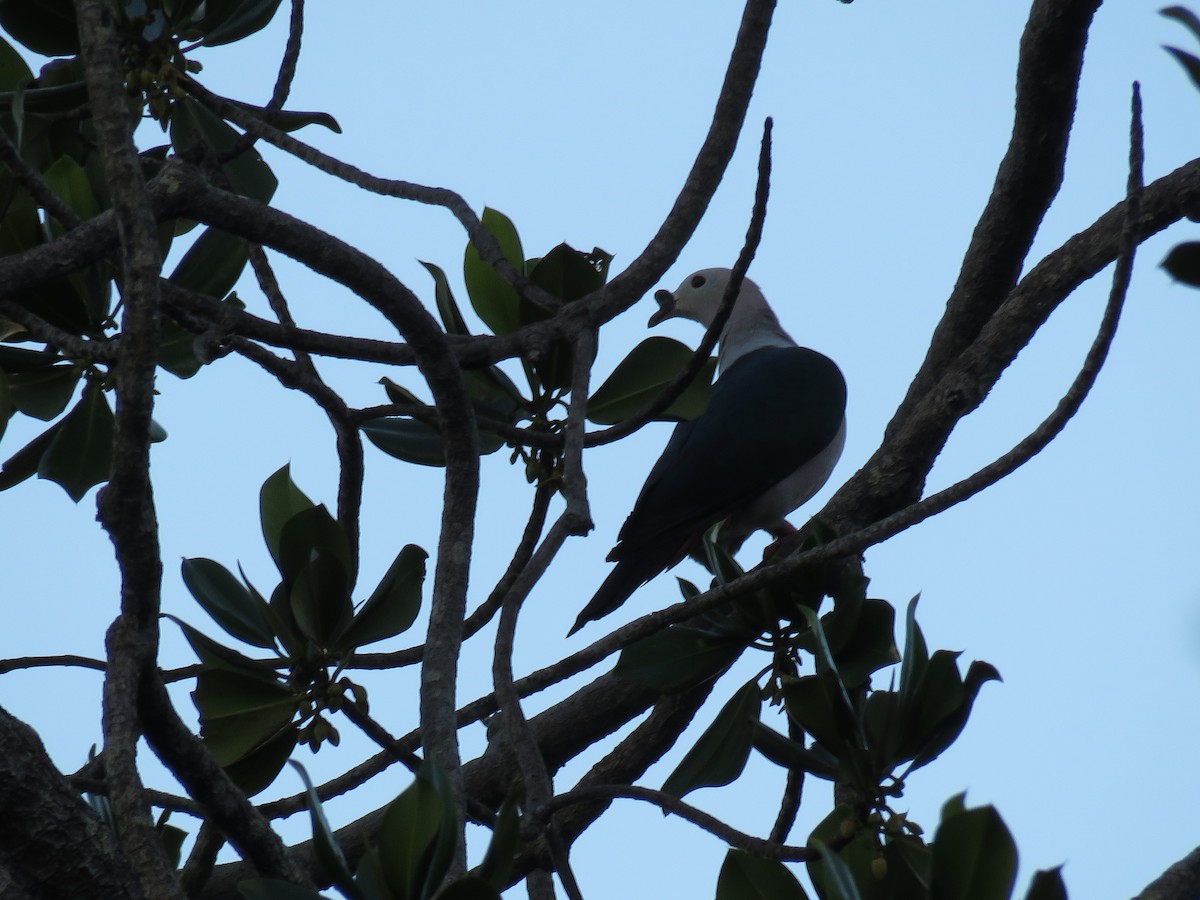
[{"x": 666, "y": 308}]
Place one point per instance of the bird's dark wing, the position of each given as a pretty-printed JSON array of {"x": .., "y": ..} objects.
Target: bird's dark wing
[{"x": 771, "y": 412}]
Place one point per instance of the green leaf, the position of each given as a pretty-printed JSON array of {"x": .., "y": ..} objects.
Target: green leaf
[
  {"x": 678, "y": 658},
  {"x": 1183, "y": 263},
  {"x": 496, "y": 301},
  {"x": 278, "y": 501},
  {"x": 18, "y": 359},
  {"x": 720, "y": 754},
  {"x": 447, "y": 839},
  {"x": 240, "y": 713},
  {"x": 393, "y": 605},
  {"x": 871, "y": 644},
  {"x": 748, "y": 877},
  {"x": 407, "y": 836},
  {"x": 172, "y": 840},
  {"x": 720, "y": 562},
  {"x": 916, "y": 656},
  {"x": 1185, "y": 17},
  {"x": 13, "y": 69},
  {"x": 908, "y": 861},
  {"x": 291, "y": 119},
  {"x": 407, "y": 439},
  {"x": 1189, "y": 62},
  {"x": 226, "y": 21},
  {"x": 493, "y": 394},
  {"x": 497, "y": 863},
  {"x": 305, "y": 534},
  {"x": 417, "y": 442},
  {"x": 247, "y": 173},
  {"x": 46, "y": 26},
  {"x": 643, "y": 375},
  {"x": 812, "y": 702},
  {"x": 176, "y": 350},
  {"x": 831, "y": 680},
  {"x": 80, "y": 454},
  {"x": 943, "y": 732},
  {"x": 1047, "y": 884},
  {"x": 224, "y": 694},
  {"x": 44, "y": 393},
  {"x": 217, "y": 656},
  {"x": 792, "y": 755},
  {"x": 229, "y": 602},
  {"x": 974, "y": 857},
  {"x": 447, "y": 307},
  {"x": 67, "y": 179},
  {"x": 212, "y": 265},
  {"x": 955, "y": 805},
  {"x": 571, "y": 274},
  {"x": 258, "y": 769},
  {"x": 24, "y": 463},
  {"x": 328, "y": 851},
  {"x": 320, "y": 596},
  {"x": 838, "y": 879},
  {"x": 368, "y": 877}
]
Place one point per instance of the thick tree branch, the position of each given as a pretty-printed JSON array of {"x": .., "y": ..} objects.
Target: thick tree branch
[
  {"x": 1051, "y": 58},
  {"x": 126, "y": 503},
  {"x": 1180, "y": 882},
  {"x": 50, "y": 840}
]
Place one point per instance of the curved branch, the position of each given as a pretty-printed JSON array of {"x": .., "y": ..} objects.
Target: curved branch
[
  {"x": 712, "y": 334},
  {"x": 1029, "y": 176},
  {"x": 706, "y": 172},
  {"x": 484, "y": 241}
]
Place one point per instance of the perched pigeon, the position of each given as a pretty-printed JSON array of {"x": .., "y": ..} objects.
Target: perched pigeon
[{"x": 773, "y": 430}]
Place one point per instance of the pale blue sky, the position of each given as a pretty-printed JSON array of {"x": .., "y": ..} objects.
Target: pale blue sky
[{"x": 1075, "y": 577}]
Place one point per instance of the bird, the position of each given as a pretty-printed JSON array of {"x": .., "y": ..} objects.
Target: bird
[{"x": 769, "y": 438}]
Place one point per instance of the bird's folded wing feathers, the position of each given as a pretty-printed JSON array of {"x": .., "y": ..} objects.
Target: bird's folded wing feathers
[{"x": 771, "y": 412}]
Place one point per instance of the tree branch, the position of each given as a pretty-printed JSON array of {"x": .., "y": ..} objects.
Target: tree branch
[
  {"x": 1051, "y": 58},
  {"x": 126, "y": 503},
  {"x": 51, "y": 840}
]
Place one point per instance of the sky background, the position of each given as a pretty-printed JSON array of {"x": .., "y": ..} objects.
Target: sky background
[{"x": 1075, "y": 577}]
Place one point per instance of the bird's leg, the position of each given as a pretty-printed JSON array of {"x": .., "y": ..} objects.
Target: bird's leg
[{"x": 781, "y": 532}]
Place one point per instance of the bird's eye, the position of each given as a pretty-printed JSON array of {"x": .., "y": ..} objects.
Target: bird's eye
[{"x": 697, "y": 281}]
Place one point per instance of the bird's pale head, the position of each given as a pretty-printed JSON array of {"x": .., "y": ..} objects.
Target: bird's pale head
[{"x": 697, "y": 298}]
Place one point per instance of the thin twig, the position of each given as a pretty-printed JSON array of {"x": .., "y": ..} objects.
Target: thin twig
[
  {"x": 483, "y": 240},
  {"x": 578, "y": 514},
  {"x": 37, "y": 662},
  {"x": 758, "y": 846},
  {"x": 349, "y": 440},
  {"x": 733, "y": 287},
  {"x": 31, "y": 179},
  {"x": 793, "y": 789}
]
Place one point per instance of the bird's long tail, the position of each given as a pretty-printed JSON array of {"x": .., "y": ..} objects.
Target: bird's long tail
[{"x": 625, "y": 578}]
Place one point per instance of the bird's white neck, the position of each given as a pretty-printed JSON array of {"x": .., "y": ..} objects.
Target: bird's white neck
[{"x": 752, "y": 326}]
